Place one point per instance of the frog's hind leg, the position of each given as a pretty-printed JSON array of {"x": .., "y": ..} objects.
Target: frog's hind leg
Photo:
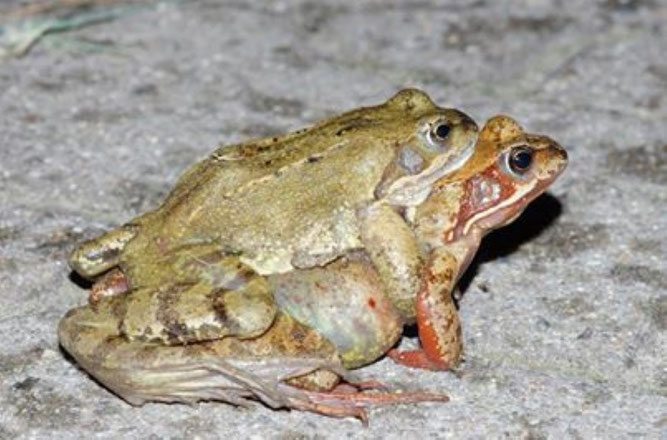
[
  {"x": 229, "y": 370},
  {"x": 356, "y": 404},
  {"x": 289, "y": 366},
  {"x": 95, "y": 257},
  {"x": 346, "y": 397},
  {"x": 222, "y": 298}
]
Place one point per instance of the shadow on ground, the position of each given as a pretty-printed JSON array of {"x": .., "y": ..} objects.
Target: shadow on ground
[{"x": 537, "y": 217}]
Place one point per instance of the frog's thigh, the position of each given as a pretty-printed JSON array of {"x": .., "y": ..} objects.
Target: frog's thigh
[
  {"x": 395, "y": 253},
  {"x": 345, "y": 302},
  {"x": 229, "y": 370},
  {"x": 101, "y": 254},
  {"x": 232, "y": 301}
]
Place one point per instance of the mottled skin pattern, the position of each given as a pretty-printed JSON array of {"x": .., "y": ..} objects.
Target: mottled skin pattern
[
  {"x": 273, "y": 205},
  {"x": 383, "y": 152},
  {"x": 164, "y": 341}
]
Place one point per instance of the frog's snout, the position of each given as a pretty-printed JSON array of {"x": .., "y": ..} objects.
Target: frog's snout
[
  {"x": 562, "y": 152},
  {"x": 559, "y": 155},
  {"x": 467, "y": 122}
]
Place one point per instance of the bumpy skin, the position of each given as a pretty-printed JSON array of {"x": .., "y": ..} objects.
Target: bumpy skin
[
  {"x": 277, "y": 204},
  {"x": 322, "y": 175},
  {"x": 336, "y": 315}
]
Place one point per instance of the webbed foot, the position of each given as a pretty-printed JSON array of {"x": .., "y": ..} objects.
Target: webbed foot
[
  {"x": 356, "y": 404},
  {"x": 417, "y": 359}
]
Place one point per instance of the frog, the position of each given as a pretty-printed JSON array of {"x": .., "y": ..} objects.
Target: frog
[
  {"x": 508, "y": 170},
  {"x": 282, "y": 203},
  {"x": 330, "y": 318}
]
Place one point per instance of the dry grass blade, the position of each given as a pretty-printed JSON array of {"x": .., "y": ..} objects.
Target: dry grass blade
[
  {"x": 49, "y": 6},
  {"x": 22, "y": 28}
]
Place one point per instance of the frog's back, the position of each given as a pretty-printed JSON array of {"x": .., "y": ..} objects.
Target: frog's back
[
  {"x": 309, "y": 203},
  {"x": 277, "y": 195},
  {"x": 232, "y": 167}
]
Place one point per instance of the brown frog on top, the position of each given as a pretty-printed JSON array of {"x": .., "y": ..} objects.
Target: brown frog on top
[
  {"x": 338, "y": 315},
  {"x": 277, "y": 204}
]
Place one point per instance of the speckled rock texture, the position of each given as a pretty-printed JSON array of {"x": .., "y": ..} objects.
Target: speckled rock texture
[{"x": 564, "y": 312}]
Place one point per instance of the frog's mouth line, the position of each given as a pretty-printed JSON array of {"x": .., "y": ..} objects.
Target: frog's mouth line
[
  {"x": 507, "y": 211},
  {"x": 510, "y": 210},
  {"x": 453, "y": 163}
]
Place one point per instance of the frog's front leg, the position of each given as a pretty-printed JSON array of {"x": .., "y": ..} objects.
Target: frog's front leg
[
  {"x": 417, "y": 289},
  {"x": 437, "y": 318},
  {"x": 395, "y": 254}
]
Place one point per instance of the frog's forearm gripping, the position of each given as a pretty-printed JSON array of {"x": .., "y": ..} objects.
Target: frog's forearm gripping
[{"x": 395, "y": 254}]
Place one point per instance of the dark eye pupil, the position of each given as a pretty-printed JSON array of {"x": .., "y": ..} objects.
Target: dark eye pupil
[
  {"x": 521, "y": 160},
  {"x": 442, "y": 131}
]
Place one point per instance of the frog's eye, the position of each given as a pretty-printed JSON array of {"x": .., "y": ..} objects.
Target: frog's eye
[
  {"x": 441, "y": 131},
  {"x": 438, "y": 134},
  {"x": 520, "y": 159}
]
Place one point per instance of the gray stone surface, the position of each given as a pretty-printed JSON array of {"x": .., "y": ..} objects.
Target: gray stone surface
[{"x": 565, "y": 315}]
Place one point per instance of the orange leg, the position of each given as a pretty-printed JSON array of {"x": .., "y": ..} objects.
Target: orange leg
[
  {"x": 112, "y": 283},
  {"x": 417, "y": 359},
  {"x": 437, "y": 319}
]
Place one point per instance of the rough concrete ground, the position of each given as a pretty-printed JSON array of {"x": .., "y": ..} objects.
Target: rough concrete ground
[{"x": 565, "y": 314}]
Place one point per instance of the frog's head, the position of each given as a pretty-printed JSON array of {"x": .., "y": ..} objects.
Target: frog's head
[
  {"x": 431, "y": 142},
  {"x": 508, "y": 170}
]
